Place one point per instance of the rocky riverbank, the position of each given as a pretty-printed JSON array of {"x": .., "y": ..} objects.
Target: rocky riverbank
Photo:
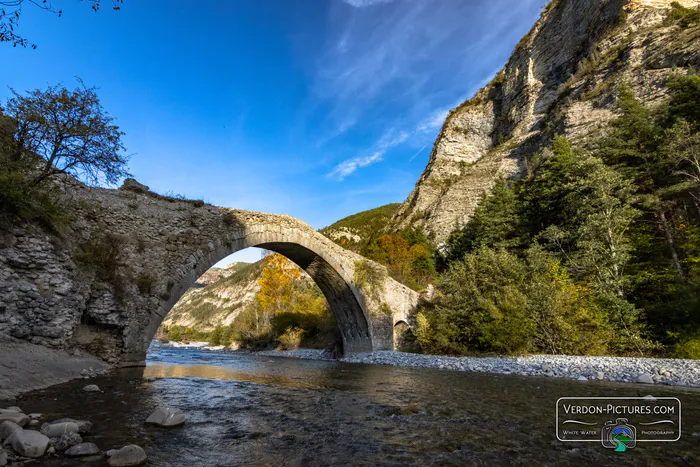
[
  {"x": 672, "y": 372},
  {"x": 25, "y": 366},
  {"x": 28, "y": 437}
]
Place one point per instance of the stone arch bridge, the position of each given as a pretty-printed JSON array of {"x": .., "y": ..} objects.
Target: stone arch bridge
[{"x": 108, "y": 279}]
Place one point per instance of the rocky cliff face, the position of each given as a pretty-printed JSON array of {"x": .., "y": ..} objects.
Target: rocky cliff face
[{"x": 561, "y": 79}]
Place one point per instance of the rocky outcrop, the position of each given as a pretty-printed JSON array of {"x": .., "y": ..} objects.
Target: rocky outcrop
[
  {"x": 106, "y": 279},
  {"x": 561, "y": 78}
]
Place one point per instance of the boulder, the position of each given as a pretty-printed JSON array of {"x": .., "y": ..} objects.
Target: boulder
[
  {"x": 130, "y": 454},
  {"x": 29, "y": 443},
  {"x": 84, "y": 426},
  {"x": 83, "y": 449},
  {"x": 7, "y": 429},
  {"x": 645, "y": 378},
  {"x": 65, "y": 441},
  {"x": 91, "y": 388},
  {"x": 54, "y": 430},
  {"x": 130, "y": 184},
  {"x": 166, "y": 417},
  {"x": 16, "y": 417}
]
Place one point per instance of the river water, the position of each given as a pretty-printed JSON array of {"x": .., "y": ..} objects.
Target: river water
[{"x": 244, "y": 409}]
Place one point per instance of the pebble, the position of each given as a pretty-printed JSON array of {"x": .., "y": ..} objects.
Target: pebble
[
  {"x": 91, "y": 388},
  {"x": 582, "y": 378},
  {"x": 83, "y": 449},
  {"x": 674, "y": 372},
  {"x": 645, "y": 378},
  {"x": 130, "y": 454},
  {"x": 55, "y": 430},
  {"x": 64, "y": 442},
  {"x": 16, "y": 417},
  {"x": 84, "y": 426}
]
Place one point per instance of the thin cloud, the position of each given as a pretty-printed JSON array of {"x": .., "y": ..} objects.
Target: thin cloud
[
  {"x": 365, "y": 3},
  {"x": 349, "y": 166}
]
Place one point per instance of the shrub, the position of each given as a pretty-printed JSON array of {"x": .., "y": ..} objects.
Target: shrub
[
  {"x": 494, "y": 301},
  {"x": 103, "y": 255},
  {"x": 688, "y": 348},
  {"x": 291, "y": 338},
  {"x": 145, "y": 282},
  {"x": 369, "y": 277},
  {"x": 682, "y": 16}
]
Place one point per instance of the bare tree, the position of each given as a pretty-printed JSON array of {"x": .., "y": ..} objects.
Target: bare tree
[
  {"x": 71, "y": 132},
  {"x": 11, "y": 11}
]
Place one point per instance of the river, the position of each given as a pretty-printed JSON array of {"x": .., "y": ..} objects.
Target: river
[{"x": 245, "y": 409}]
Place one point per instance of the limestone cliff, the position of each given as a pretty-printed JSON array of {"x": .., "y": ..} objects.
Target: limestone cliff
[{"x": 561, "y": 78}]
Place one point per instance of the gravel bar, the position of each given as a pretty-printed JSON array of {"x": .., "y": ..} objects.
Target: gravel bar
[{"x": 622, "y": 369}]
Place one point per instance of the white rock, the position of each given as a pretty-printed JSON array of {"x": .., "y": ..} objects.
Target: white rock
[
  {"x": 91, "y": 388},
  {"x": 29, "y": 443},
  {"x": 582, "y": 378},
  {"x": 7, "y": 429},
  {"x": 166, "y": 417},
  {"x": 130, "y": 454},
  {"x": 84, "y": 449},
  {"x": 649, "y": 397},
  {"x": 600, "y": 375},
  {"x": 16, "y": 417},
  {"x": 54, "y": 430},
  {"x": 645, "y": 378}
]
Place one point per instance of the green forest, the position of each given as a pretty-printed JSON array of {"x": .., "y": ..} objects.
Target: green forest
[{"x": 595, "y": 250}]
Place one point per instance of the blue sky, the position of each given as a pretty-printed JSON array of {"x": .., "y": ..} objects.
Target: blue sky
[{"x": 318, "y": 109}]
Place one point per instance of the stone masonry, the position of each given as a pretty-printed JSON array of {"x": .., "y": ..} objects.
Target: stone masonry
[{"x": 106, "y": 280}]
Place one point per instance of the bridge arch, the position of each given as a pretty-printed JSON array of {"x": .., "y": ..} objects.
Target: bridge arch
[{"x": 328, "y": 264}]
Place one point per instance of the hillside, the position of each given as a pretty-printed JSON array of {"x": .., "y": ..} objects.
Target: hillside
[
  {"x": 217, "y": 298},
  {"x": 357, "y": 231},
  {"x": 562, "y": 78}
]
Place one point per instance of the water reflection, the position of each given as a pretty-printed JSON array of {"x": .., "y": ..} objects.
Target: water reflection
[{"x": 249, "y": 410}]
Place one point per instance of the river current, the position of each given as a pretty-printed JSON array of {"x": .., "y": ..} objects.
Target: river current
[{"x": 245, "y": 409}]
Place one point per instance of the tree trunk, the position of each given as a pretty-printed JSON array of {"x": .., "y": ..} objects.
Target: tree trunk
[{"x": 671, "y": 245}]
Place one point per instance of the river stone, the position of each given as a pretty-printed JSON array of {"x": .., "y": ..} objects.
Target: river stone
[
  {"x": 34, "y": 416},
  {"x": 7, "y": 429},
  {"x": 55, "y": 430},
  {"x": 84, "y": 426},
  {"x": 600, "y": 375},
  {"x": 84, "y": 449},
  {"x": 3, "y": 457},
  {"x": 67, "y": 440},
  {"x": 130, "y": 454},
  {"x": 645, "y": 378},
  {"x": 16, "y": 417},
  {"x": 14, "y": 408},
  {"x": 29, "y": 443},
  {"x": 582, "y": 378},
  {"x": 91, "y": 388},
  {"x": 166, "y": 417}
]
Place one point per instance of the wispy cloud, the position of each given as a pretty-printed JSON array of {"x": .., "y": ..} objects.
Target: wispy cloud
[
  {"x": 365, "y": 3},
  {"x": 409, "y": 58},
  {"x": 349, "y": 166}
]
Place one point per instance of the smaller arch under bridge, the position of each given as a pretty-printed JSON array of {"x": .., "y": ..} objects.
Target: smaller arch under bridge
[{"x": 174, "y": 242}]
